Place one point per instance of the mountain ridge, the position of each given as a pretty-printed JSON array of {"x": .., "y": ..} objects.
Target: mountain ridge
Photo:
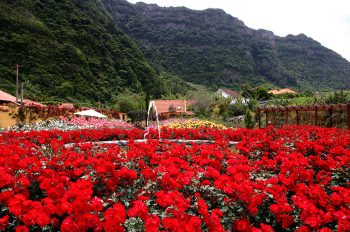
[{"x": 179, "y": 40}]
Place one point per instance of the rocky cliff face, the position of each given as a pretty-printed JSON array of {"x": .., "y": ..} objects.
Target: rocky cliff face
[{"x": 213, "y": 48}]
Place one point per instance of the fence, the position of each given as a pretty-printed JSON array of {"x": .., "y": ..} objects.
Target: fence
[{"x": 334, "y": 115}]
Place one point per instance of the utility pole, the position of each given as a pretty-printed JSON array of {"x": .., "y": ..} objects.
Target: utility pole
[
  {"x": 17, "y": 81},
  {"x": 22, "y": 94}
]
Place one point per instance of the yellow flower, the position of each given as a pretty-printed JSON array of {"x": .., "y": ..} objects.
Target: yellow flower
[{"x": 195, "y": 123}]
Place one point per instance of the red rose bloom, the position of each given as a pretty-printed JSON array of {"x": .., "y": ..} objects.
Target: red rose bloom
[{"x": 242, "y": 225}]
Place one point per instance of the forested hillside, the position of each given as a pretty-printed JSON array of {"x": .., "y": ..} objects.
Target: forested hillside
[
  {"x": 213, "y": 48},
  {"x": 70, "y": 49}
]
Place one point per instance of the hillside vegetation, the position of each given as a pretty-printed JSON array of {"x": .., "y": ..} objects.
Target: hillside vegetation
[
  {"x": 70, "y": 50},
  {"x": 213, "y": 48}
]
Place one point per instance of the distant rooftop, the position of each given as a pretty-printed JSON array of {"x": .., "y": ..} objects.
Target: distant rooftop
[
  {"x": 232, "y": 93},
  {"x": 282, "y": 91}
]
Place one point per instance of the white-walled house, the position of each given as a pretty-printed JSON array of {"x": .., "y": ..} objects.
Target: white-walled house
[
  {"x": 235, "y": 96},
  {"x": 228, "y": 93}
]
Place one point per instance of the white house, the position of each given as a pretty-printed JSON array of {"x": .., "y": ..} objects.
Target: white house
[{"x": 233, "y": 95}]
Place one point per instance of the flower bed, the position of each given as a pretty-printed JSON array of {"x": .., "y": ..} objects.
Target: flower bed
[
  {"x": 53, "y": 124},
  {"x": 76, "y": 123},
  {"x": 293, "y": 178},
  {"x": 191, "y": 123},
  {"x": 97, "y": 122}
]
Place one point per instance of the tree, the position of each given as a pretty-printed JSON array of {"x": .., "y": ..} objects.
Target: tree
[
  {"x": 337, "y": 97},
  {"x": 258, "y": 93},
  {"x": 65, "y": 89},
  {"x": 236, "y": 109},
  {"x": 249, "y": 119},
  {"x": 202, "y": 101},
  {"x": 221, "y": 107},
  {"x": 128, "y": 101}
]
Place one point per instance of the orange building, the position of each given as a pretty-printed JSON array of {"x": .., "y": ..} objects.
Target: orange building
[{"x": 169, "y": 108}]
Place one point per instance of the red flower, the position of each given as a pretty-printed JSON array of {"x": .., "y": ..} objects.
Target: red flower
[
  {"x": 4, "y": 222},
  {"x": 96, "y": 204},
  {"x": 127, "y": 174},
  {"x": 303, "y": 228},
  {"x": 336, "y": 199},
  {"x": 213, "y": 222},
  {"x": 172, "y": 224},
  {"x": 152, "y": 223},
  {"x": 22, "y": 229},
  {"x": 15, "y": 204},
  {"x": 42, "y": 219},
  {"x": 114, "y": 217},
  {"x": 325, "y": 230},
  {"x": 138, "y": 209},
  {"x": 242, "y": 225},
  {"x": 69, "y": 225},
  {"x": 343, "y": 225},
  {"x": 266, "y": 228},
  {"x": 314, "y": 221},
  {"x": 203, "y": 209}
]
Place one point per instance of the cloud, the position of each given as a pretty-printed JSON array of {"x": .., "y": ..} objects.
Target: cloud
[{"x": 326, "y": 21}]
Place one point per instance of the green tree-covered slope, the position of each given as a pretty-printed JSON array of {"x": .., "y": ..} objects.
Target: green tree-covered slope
[
  {"x": 70, "y": 49},
  {"x": 213, "y": 48}
]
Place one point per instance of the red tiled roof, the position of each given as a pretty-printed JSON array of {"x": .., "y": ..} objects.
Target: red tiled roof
[
  {"x": 232, "y": 93},
  {"x": 164, "y": 105},
  {"x": 66, "y": 106},
  {"x": 7, "y": 97},
  {"x": 282, "y": 91}
]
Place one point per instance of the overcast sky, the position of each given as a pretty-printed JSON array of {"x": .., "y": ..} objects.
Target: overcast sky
[{"x": 327, "y": 21}]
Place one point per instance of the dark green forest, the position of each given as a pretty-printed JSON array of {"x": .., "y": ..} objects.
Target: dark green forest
[
  {"x": 70, "y": 50},
  {"x": 213, "y": 48}
]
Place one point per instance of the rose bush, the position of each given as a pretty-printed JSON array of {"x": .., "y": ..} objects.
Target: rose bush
[{"x": 289, "y": 179}]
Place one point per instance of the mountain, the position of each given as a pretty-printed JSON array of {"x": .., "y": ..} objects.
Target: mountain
[
  {"x": 70, "y": 49},
  {"x": 213, "y": 48}
]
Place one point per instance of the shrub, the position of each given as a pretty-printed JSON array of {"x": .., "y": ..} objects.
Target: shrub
[{"x": 248, "y": 119}]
